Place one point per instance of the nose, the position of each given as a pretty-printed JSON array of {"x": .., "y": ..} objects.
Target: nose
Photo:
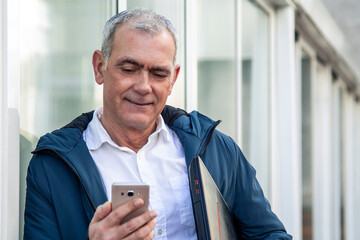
[{"x": 142, "y": 84}]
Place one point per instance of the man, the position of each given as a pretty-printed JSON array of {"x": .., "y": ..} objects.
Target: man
[{"x": 134, "y": 137}]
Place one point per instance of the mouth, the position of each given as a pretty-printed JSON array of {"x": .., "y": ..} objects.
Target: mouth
[{"x": 138, "y": 103}]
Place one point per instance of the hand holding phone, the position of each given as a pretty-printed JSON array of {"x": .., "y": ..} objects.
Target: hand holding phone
[
  {"x": 124, "y": 192},
  {"x": 105, "y": 222}
]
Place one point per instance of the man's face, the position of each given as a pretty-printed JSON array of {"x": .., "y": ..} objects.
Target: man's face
[{"x": 138, "y": 79}]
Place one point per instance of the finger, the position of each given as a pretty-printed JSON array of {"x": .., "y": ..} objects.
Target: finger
[
  {"x": 144, "y": 232},
  {"x": 120, "y": 212},
  {"x": 135, "y": 223},
  {"x": 150, "y": 236},
  {"x": 101, "y": 212}
]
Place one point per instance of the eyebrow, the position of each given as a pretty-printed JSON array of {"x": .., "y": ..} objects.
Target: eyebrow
[{"x": 131, "y": 61}]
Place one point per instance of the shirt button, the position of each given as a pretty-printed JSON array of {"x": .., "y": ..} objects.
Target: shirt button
[{"x": 159, "y": 232}]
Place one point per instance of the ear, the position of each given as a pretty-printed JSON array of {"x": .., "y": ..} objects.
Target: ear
[
  {"x": 176, "y": 74},
  {"x": 98, "y": 62}
]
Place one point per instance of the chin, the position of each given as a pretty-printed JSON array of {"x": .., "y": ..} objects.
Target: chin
[{"x": 139, "y": 123}]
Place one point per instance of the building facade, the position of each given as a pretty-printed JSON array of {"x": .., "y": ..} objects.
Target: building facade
[{"x": 278, "y": 73}]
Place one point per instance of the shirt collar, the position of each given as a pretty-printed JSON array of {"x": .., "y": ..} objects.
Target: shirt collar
[
  {"x": 162, "y": 129},
  {"x": 97, "y": 135}
]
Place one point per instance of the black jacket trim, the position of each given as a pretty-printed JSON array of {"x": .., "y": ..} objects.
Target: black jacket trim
[
  {"x": 170, "y": 114},
  {"x": 81, "y": 122}
]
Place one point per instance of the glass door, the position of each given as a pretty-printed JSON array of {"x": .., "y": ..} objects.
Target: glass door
[{"x": 57, "y": 39}]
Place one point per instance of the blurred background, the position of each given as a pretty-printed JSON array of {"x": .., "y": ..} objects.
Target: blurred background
[{"x": 282, "y": 75}]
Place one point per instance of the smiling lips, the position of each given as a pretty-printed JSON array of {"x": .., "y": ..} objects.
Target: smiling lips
[{"x": 139, "y": 103}]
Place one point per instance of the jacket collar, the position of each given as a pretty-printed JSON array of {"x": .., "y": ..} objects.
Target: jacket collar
[{"x": 194, "y": 131}]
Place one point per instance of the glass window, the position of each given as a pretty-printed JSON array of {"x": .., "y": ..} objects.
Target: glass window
[
  {"x": 307, "y": 181},
  {"x": 174, "y": 11},
  {"x": 255, "y": 95},
  {"x": 217, "y": 79},
  {"x": 57, "y": 39},
  {"x": 216, "y": 62}
]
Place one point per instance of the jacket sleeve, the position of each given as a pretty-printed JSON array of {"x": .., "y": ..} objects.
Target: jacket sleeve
[
  {"x": 40, "y": 217},
  {"x": 252, "y": 210}
]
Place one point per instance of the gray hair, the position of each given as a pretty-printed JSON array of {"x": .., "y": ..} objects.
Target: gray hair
[{"x": 143, "y": 20}]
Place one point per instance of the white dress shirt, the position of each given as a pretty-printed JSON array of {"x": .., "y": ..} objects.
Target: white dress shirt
[{"x": 160, "y": 163}]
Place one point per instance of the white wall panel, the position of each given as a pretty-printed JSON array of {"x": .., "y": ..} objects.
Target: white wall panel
[
  {"x": 349, "y": 167},
  {"x": 337, "y": 160},
  {"x": 286, "y": 174},
  {"x": 323, "y": 157},
  {"x": 9, "y": 133},
  {"x": 356, "y": 159}
]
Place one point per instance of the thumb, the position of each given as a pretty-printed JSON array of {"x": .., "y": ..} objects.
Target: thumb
[{"x": 101, "y": 212}]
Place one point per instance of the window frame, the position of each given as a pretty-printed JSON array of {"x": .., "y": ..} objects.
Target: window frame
[{"x": 10, "y": 126}]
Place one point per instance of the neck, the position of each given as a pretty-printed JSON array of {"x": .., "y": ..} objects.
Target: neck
[{"x": 132, "y": 138}]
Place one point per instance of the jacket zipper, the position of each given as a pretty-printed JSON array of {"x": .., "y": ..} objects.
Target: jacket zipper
[{"x": 208, "y": 138}]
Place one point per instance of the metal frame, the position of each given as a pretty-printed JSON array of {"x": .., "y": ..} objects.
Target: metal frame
[{"x": 191, "y": 50}]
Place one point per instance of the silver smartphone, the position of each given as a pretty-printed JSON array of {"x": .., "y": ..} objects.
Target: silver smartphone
[{"x": 124, "y": 192}]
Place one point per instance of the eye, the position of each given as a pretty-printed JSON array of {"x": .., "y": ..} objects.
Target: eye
[
  {"x": 128, "y": 70},
  {"x": 160, "y": 75}
]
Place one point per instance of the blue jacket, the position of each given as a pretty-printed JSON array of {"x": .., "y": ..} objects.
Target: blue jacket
[{"x": 64, "y": 186}]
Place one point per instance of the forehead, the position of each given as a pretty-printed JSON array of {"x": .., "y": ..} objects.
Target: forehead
[{"x": 128, "y": 39}]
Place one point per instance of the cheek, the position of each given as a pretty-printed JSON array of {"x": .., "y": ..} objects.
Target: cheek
[
  {"x": 115, "y": 85},
  {"x": 163, "y": 91},
  {"x": 112, "y": 92}
]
